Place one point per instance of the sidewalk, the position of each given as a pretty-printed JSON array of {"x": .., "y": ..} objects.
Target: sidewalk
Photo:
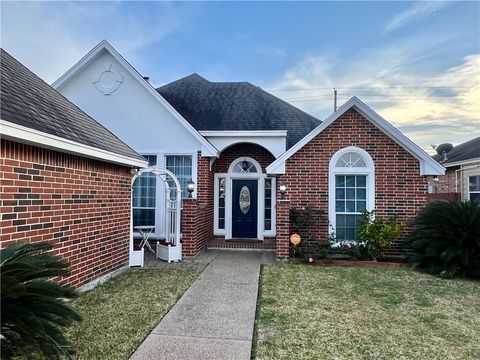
[{"x": 215, "y": 317}]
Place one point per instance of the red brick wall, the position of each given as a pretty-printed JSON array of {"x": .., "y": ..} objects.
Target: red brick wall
[
  {"x": 446, "y": 183},
  {"x": 197, "y": 218},
  {"x": 399, "y": 188},
  {"x": 80, "y": 205},
  {"x": 263, "y": 156}
]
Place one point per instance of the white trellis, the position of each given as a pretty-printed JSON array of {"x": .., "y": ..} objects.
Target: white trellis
[{"x": 171, "y": 249}]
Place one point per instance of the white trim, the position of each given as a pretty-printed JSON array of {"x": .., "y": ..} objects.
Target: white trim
[
  {"x": 428, "y": 166},
  {"x": 368, "y": 171},
  {"x": 462, "y": 162},
  {"x": 27, "y": 135},
  {"x": 207, "y": 148},
  {"x": 216, "y": 202},
  {"x": 256, "y": 133}
]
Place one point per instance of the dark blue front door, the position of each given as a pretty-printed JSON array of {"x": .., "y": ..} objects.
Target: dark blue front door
[{"x": 244, "y": 209}]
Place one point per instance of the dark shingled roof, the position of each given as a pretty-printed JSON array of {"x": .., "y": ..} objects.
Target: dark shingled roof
[
  {"x": 214, "y": 106},
  {"x": 29, "y": 101},
  {"x": 465, "y": 151}
]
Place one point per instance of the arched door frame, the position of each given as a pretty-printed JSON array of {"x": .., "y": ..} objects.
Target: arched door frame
[{"x": 172, "y": 208}]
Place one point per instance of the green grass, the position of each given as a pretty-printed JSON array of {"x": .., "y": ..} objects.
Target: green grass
[
  {"x": 312, "y": 312},
  {"x": 118, "y": 315}
]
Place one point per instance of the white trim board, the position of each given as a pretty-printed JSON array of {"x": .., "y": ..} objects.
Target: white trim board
[
  {"x": 256, "y": 133},
  {"x": 207, "y": 148},
  {"x": 428, "y": 166},
  {"x": 27, "y": 135}
]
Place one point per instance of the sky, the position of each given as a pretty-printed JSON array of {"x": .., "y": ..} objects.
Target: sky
[{"x": 416, "y": 63}]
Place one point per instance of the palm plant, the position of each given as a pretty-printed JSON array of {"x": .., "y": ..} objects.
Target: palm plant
[
  {"x": 33, "y": 307},
  {"x": 446, "y": 239}
]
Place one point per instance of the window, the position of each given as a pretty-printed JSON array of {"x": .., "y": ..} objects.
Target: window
[
  {"x": 351, "y": 191},
  {"x": 350, "y": 201},
  {"x": 474, "y": 188},
  {"x": 268, "y": 204},
  {"x": 181, "y": 166},
  {"x": 245, "y": 167},
  {"x": 221, "y": 203},
  {"x": 143, "y": 197}
]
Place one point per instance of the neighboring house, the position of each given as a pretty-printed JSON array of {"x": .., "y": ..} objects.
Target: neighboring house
[
  {"x": 462, "y": 177},
  {"x": 238, "y": 143},
  {"x": 64, "y": 177}
]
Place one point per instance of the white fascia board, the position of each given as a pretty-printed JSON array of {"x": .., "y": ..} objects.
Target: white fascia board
[
  {"x": 27, "y": 135},
  {"x": 428, "y": 166},
  {"x": 207, "y": 148},
  {"x": 462, "y": 162},
  {"x": 244, "y": 133}
]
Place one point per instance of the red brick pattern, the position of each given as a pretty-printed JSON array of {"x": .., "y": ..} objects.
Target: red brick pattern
[
  {"x": 80, "y": 205},
  {"x": 445, "y": 183},
  {"x": 399, "y": 188},
  {"x": 197, "y": 218},
  {"x": 283, "y": 228},
  {"x": 263, "y": 156}
]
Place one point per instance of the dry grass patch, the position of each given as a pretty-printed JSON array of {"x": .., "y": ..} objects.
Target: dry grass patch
[
  {"x": 309, "y": 312},
  {"x": 120, "y": 314}
]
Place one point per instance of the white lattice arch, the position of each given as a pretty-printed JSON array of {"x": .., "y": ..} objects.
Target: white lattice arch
[{"x": 172, "y": 213}]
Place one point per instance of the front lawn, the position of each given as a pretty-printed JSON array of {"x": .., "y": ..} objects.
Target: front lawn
[
  {"x": 120, "y": 314},
  {"x": 313, "y": 312}
]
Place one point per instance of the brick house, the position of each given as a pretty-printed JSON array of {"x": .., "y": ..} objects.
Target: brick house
[
  {"x": 252, "y": 156},
  {"x": 64, "y": 177},
  {"x": 462, "y": 176}
]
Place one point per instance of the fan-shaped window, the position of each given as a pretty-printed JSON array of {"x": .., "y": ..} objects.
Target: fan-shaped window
[
  {"x": 351, "y": 160},
  {"x": 244, "y": 167}
]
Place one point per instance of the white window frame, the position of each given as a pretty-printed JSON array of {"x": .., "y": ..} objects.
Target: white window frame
[
  {"x": 260, "y": 176},
  {"x": 474, "y": 191},
  {"x": 368, "y": 171},
  {"x": 159, "y": 224},
  {"x": 194, "y": 165}
]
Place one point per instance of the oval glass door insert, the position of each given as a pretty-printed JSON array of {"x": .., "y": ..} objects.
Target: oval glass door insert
[{"x": 244, "y": 200}]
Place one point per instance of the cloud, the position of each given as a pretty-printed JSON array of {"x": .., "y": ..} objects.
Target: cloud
[
  {"x": 429, "y": 105},
  {"x": 415, "y": 12},
  {"x": 49, "y": 37}
]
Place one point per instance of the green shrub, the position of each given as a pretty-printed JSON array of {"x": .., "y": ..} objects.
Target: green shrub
[
  {"x": 446, "y": 239},
  {"x": 377, "y": 233},
  {"x": 33, "y": 307},
  {"x": 302, "y": 221}
]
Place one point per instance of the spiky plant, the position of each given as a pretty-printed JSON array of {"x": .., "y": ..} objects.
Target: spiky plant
[
  {"x": 33, "y": 307},
  {"x": 446, "y": 239}
]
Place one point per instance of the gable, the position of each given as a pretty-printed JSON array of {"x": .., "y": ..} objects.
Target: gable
[
  {"x": 111, "y": 90},
  {"x": 427, "y": 166}
]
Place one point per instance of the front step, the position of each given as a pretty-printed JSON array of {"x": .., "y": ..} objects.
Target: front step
[{"x": 241, "y": 244}]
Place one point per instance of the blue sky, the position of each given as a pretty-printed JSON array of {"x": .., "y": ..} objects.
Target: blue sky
[{"x": 416, "y": 63}]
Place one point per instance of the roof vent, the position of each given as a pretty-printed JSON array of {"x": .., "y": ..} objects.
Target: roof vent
[{"x": 444, "y": 149}]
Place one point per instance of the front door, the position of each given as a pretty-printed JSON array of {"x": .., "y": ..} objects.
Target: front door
[{"x": 244, "y": 208}]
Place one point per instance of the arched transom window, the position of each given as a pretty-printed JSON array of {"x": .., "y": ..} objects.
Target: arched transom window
[
  {"x": 351, "y": 160},
  {"x": 244, "y": 167},
  {"x": 351, "y": 191}
]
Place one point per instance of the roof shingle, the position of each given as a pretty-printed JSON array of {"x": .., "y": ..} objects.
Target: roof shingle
[
  {"x": 28, "y": 101},
  {"x": 465, "y": 151},
  {"x": 217, "y": 106}
]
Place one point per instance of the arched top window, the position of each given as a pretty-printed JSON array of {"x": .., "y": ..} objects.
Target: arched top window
[
  {"x": 351, "y": 160},
  {"x": 351, "y": 191},
  {"x": 244, "y": 166}
]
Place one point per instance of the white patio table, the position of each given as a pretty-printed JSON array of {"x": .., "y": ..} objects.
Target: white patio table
[{"x": 145, "y": 231}]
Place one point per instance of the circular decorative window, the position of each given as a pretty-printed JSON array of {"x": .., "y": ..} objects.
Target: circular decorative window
[
  {"x": 109, "y": 80},
  {"x": 244, "y": 200}
]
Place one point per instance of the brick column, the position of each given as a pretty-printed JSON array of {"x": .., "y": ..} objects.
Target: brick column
[
  {"x": 283, "y": 228},
  {"x": 189, "y": 227}
]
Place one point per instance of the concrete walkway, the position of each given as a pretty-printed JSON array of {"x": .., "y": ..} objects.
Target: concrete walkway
[{"x": 215, "y": 317}]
